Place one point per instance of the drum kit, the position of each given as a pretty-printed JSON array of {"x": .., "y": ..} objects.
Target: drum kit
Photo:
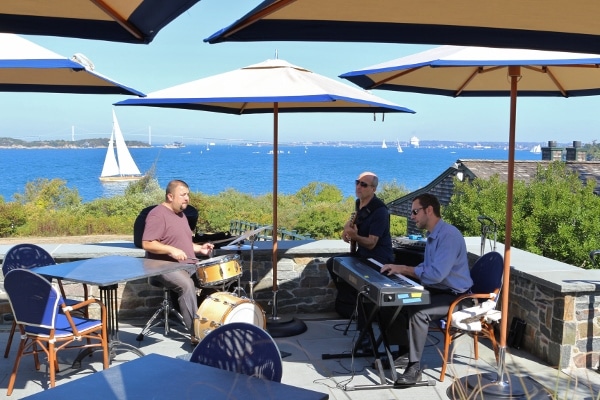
[{"x": 223, "y": 307}]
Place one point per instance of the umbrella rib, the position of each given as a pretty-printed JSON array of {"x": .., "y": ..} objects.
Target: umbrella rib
[
  {"x": 243, "y": 108},
  {"x": 118, "y": 18},
  {"x": 398, "y": 75},
  {"x": 556, "y": 82},
  {"x": 261, "y": 14},
  {"x": 546, "y": 70},
  {"x": 462, "y": 87}
]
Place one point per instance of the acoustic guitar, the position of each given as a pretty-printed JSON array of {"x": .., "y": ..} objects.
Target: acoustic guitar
[{"x": 352, "y": 242}]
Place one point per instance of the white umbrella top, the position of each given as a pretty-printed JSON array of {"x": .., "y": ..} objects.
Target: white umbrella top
[
  {"x": 482, "y": 71},
  {"x": 254, "y": 89},
  {"x": 28, "y": 67}
]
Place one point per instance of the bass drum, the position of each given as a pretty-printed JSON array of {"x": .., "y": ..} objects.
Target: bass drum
[{"x": 222, "y": 308}]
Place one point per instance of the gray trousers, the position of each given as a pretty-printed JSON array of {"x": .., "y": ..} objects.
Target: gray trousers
[
  {"x": 181, "y": 282},
  {"x": 416, "y": 319}
]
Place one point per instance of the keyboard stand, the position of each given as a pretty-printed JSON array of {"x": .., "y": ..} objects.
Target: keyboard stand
[{"x": 356, "y": 352}]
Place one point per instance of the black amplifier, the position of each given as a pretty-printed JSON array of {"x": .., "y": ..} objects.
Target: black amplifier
[{"x": 408, "y": 251}]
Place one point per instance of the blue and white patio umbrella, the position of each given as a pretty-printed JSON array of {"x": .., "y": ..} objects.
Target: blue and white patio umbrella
[
  {"x": 483, "y": 72},
  {"x": 273, "y": 86},
  {"x": 549, "y": 25},
  {"x": 131, "y": 21},
  {"x": 28, "y": 67}
]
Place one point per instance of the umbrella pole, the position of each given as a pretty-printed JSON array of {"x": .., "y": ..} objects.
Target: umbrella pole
[
  {"x": 498, "y": 385},
  {"x": 277, "y": 326}
]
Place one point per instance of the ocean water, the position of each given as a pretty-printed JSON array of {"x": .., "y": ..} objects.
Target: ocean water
[{"x": 248, "y": 169}]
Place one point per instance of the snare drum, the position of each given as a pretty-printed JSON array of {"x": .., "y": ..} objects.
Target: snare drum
[
  {"x": 222, "y": 308},
  {"x": 217, "y": 270}
]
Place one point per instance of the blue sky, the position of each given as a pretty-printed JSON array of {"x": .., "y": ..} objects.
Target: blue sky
[{"x": 178, "y": 54}]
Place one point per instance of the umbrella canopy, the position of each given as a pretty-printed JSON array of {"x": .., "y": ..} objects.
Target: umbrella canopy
[
  {"x": 471, "y": 71},
  {"x": 548, "y": 25},
  {"x": 132, "y": 21},
  {"x": 27, "y": 67},
  {"x": 273, "y": 86}
]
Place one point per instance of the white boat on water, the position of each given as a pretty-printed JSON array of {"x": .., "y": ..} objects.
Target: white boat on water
[
  {"x": 383, "y": 145},
  {"x": 119, "y": 167},
  {"x": 536, "y": 149},
  {"x": 398, "y": 146},
  {"x": 175, "y": 145}
]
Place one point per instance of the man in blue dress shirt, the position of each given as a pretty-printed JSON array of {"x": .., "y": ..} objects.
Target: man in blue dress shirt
[{"x": 444, "y": 273}]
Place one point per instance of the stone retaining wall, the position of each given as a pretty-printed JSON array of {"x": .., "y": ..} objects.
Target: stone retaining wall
[{"x": 560, "y": 303}]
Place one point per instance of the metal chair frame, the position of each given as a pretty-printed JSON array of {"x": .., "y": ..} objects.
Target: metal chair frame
[
  {"x": 26, "y": 255},
  {"x": 46, "y": 322},
  {"x": 487, "y": 282}
]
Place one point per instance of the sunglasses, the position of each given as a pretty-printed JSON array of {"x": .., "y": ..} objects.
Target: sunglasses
[
  {"x": 361, "y": 183},
  {"x": 416, "y": 211}
]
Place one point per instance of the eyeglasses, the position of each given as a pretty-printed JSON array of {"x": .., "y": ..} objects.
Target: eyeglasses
[
  {"x": 361, "y": 183},
  {"x": 416, "y": 211}
]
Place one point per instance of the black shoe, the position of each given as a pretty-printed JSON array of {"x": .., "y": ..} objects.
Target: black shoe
[{"x": 411, "y": 376}]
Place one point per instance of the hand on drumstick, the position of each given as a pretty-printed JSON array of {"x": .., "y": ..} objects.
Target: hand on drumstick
[{"x": 206, "y": 249}]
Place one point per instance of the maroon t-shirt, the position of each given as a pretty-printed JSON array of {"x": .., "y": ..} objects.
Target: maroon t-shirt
[{"x": 168, "y": 227}]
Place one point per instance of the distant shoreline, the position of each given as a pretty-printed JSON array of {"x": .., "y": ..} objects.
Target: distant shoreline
[{"x": 66, "y": 147}]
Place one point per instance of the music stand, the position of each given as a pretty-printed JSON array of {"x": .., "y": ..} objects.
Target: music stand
[{"x": 238, "y": 245}]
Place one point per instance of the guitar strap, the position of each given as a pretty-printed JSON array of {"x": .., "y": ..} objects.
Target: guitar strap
[{"x": 364, "y": 212}]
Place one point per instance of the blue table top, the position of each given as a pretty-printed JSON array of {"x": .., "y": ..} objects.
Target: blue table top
[
  {"x": 159, "y": 377},
  {"x": 110, "y": 270}
]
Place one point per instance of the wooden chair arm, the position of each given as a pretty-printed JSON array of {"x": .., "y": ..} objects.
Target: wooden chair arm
[{"x": 67, "y": 311}]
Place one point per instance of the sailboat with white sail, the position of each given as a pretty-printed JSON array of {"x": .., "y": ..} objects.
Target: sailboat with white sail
[
  {"x": 537, "y": 149},
  {"x": 398, "y": 147},
  {"x": 383, "y": 145},
  {"x": 119, "y": 167}
]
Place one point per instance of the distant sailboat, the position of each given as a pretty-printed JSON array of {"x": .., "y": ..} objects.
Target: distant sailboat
[
  {"x": 121, "y": 167},
  {"x": 398, "y": 146},
  {"x": 383, "y": 145},
  {"x": 536, "y": 149}
]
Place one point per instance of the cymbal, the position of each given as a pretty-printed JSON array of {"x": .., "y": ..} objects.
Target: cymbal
[
  {"x": 247, "y": 234},
  {"x": 236, "y": 247}
]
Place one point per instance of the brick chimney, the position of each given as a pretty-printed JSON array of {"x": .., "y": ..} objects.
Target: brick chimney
[
  {"x": 552, "y": 152},
  {"x": 576, "y": 153}
]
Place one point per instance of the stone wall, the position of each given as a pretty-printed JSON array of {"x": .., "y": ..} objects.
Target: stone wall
[
  {"x": 303, "y": 287},
  {"x": 562, "y": 327}
]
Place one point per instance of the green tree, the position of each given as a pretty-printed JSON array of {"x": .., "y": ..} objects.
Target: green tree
[
  {"x": 316, "y": 192},
  {"x": 555, "y": 215},
  {"x": 47, "y": 194},
  {"x": 12, "y": 216}
]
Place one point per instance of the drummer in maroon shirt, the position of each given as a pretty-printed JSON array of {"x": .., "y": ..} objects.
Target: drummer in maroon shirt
[{"x": 168, "y": 236}]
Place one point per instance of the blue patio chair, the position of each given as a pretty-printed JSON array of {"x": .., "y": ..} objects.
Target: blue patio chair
[
  {"x": 243, "y": 348},
  {"x": 27, "y": 256},
  {"x": 487, "y": 275},
  {"x": 35, "y": 304}
]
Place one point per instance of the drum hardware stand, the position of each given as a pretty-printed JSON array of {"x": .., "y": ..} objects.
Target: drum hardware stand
[{"x": 251, "y": 283}]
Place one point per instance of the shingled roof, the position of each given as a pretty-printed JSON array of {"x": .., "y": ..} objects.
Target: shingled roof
[{"x": 443, "y": 185}]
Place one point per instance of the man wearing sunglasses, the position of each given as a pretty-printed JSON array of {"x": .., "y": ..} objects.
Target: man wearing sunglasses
[
  {"x": 369, "y": 230},
  {"x": 445, "y": 274}
]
